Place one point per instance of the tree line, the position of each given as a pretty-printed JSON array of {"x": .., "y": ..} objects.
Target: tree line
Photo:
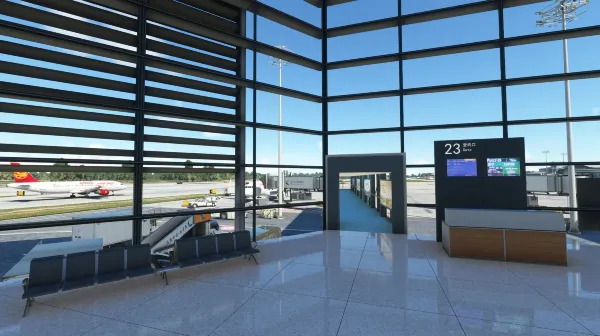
[{"x": 122, "y": 176}]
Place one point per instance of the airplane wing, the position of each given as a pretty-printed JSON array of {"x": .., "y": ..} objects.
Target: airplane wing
[{"x": 85, "y": 190}]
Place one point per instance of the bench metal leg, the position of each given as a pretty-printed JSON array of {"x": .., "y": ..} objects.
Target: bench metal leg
[
  {"x": 164, "y": 276},
  {"x": 253, "y": 257},
  {"x": 27, "y": 305}
]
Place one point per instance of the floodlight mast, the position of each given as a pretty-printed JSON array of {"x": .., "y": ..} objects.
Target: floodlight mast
[
  {"x": 565, "y": 11},
  {"x": 280, "y": 63}
]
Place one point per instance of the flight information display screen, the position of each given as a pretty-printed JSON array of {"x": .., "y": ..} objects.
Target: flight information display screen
[
  {"x": 461, "y": 167},
  {"x": 504, "y": 167}
]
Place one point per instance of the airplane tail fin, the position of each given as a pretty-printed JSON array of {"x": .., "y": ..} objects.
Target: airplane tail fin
[{"x": 22, "y": 177}]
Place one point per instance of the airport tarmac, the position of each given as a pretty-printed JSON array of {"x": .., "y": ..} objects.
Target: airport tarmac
[{"x": 9, "y": 200}]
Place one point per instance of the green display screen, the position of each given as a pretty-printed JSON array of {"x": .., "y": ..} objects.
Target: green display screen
[{"x": 504, "y": 167}]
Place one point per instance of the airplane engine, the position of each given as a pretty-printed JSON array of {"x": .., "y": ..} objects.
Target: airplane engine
[{"x": 103, "y": 192}]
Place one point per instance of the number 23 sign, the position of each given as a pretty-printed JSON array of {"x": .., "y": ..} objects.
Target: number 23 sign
[{"x": 456, "y": 148}]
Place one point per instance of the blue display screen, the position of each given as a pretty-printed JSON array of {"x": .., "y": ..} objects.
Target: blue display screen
[{"x": 461, "y": 167}]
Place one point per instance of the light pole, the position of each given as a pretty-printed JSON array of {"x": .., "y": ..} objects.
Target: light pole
[
  {"x": 280, "y": 63},
  {"x": 563, "y": 12},
  {"x": 546, "y": 152},
  {"x": 563, "y": 156}
]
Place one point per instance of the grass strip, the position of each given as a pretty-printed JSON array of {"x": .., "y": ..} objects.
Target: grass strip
[{"x": 71, "y": 208}]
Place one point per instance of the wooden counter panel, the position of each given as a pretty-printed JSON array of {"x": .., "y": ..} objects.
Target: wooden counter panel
[
  {"x": 476, "y": 243},
  {"x": 536, "y": 247}
]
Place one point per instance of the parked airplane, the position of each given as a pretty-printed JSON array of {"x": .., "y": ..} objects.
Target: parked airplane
[{"x": 26, "y": 182}]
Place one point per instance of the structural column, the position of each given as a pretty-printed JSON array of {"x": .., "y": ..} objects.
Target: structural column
[
  {"x": 324, "y": 104},
  {"x": 140, "y": 97},
  {"x": 240, "y": 137}
]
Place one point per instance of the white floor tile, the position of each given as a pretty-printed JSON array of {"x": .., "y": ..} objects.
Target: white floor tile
[
  {"x": 241, "y": 272},
  {"x": 367, "y": 320},
  {"x": 43, "y": 320},
  {"x": 400, "y": 291},
  {"x": 328, "y": 282},
  {"x": 473, "y": 327},
  {"x": 346, "y": 243},
  {"x": 112, "y": 299},
  {"x": 116, "y": 328},
  {"x": 510, "y": 304},
  {"x": 282, "y": 314},
  {"x": 192, "y": 308},
  {"x": 339, "y": 258},
  {"x": 389, "y": 245},
  {"x": 354, "y": 234},
  {"x": 391, "y": 262},
  {"x": 558, "y": 278},
  {"x": 582, "y": 306},
  {"x": 469, "y": 269}
]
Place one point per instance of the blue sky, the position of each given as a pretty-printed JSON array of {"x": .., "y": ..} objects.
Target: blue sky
[{"x": 524, "y": 102}]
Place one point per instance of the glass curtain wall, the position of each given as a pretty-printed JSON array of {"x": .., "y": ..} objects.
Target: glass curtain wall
[
  {"x": 127, "y": 109},
  {"x": 463, "y": 70}
]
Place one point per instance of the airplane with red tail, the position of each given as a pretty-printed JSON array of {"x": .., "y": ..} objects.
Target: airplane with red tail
[{"x": 26, "y": 182}]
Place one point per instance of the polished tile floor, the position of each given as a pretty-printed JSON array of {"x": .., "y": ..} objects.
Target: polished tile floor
[{"x": 331, "y": 283}]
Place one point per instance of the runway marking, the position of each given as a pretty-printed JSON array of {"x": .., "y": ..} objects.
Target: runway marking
[{"x": 36, "y": 232}]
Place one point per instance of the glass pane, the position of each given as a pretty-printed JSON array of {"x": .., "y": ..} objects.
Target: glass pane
[
  {"x": 293, "y": 76},
  {"x": 296, "y": 148},
  {"x": 373, "y": 43},
  {"x": 445, "y": 32},
  {"x": 360, "y": 11},
  {"x": 296, "y": 113},
  {"x": 370, "y": 78},
  {"x": 416, "y": 6},
  {"x": 365, "y": 143},
  {"x": 452, "y": 69},
  {"x": 64, "y": 191},
  {"x": 543, "y": 143},
  {"x": 364, "y": 114},
  {"x": 467, "y": 106}
]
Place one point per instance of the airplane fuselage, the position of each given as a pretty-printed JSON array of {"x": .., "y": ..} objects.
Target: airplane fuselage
[{"x": 70, "y": 187}]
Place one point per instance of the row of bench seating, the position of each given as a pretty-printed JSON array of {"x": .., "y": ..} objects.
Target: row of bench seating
[
  {"x": 205, "y": 249},
  {"x": 49, "y": 275}
]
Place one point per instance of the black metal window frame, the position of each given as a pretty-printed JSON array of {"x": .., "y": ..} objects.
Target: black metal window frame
[{"x": 140, "y": 8}]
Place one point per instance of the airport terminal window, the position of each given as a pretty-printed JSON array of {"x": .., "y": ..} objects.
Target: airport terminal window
[
  {"x": 63, "y": 191},
  {"x": 446, "y": 32},
  {"x": 360, "y": 11},
  {"x": 297, "y": 113},
  {"x": 369, "y": 78},
  {"x": 365, "y": 143},
  {"x": 81, "y": 113},
  {"x": 536, "y": 101},
  {"x": 420, "y": 190},
  {"x": 299, "y": 43},
  {"x": 417, "y": 6},
  {"x": 249, "y": 145},
  {"x": 466, "y": 106},
  {"x": 297, "y": 148},
  {"x": 585, "y": 133},
  {"x": 543, "y": 143},
  {"x": 363, "y": 45},
  {"x": 584, "y": 101},
  {"x": 299, "y": 9},
  {"x": 268, "y": 73},
  {"x": 364, "y": 114},
  {"x": 520, "y": 20},
  {"x": 520, "y": 65},
  {"x": 452, "y": 69}
]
